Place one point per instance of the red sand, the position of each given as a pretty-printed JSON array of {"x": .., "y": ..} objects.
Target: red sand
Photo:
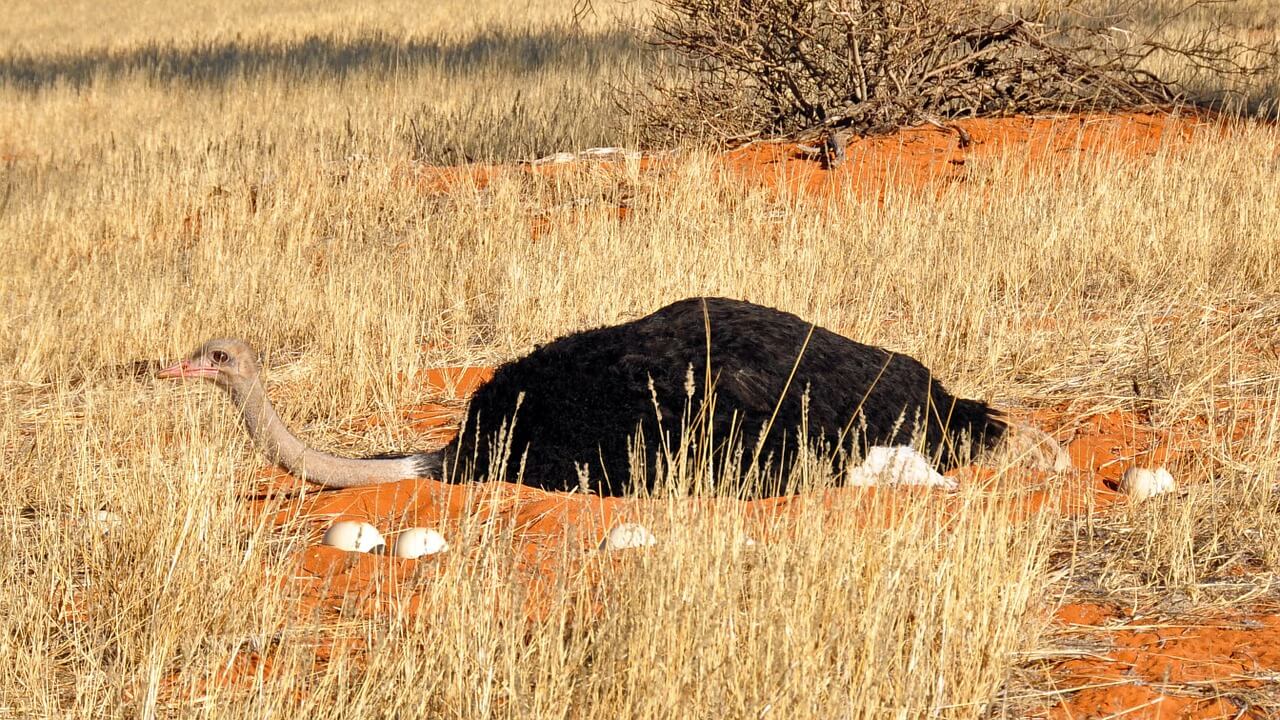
[
  {"x": 931, "y": 155},
  {"x": 916, "y": 157},
  {"x": 1146, "y": 667}
]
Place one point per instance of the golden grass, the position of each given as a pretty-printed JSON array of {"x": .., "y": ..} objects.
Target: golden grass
[{"x": 142, "y": 214}]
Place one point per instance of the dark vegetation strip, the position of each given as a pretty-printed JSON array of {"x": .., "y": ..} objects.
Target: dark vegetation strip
[{"x": 219, "y": 61}]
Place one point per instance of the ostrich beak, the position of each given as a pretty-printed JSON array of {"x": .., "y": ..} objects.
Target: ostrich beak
[{"x": 188, "y": 369}]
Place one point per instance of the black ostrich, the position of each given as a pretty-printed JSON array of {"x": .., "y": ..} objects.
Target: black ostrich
[{"x": 590, "y": 405}]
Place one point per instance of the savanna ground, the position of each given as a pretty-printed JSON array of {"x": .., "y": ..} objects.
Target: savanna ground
[{"x": 176, "y": 172}]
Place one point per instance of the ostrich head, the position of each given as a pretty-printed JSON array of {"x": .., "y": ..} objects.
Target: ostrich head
[{"x": 229, "y": 363}]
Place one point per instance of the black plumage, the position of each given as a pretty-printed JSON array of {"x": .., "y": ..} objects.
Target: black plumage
[{"x": 588, "y": 394}]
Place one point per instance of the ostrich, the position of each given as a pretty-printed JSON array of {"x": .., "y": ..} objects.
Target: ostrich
[{"x": 582, "y": 410}]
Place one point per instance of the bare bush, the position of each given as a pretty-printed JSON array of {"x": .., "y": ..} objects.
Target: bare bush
[{"x": 769, "y": 67}]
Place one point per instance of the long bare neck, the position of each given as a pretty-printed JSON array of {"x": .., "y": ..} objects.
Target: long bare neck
[{"x": 284, "y": 448}]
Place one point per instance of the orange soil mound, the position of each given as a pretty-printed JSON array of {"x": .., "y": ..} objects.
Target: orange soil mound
[
  {"x": 915, "y": 157},
  {"x": 938, "y": 155}
]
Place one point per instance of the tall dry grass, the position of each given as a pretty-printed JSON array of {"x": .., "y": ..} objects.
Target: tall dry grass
[{"x": 141, "y": 212}]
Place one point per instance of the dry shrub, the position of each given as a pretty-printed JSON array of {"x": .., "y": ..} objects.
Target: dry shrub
[{"x": 767, "y": 67}]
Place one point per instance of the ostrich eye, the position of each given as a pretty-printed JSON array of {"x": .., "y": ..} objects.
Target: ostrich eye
[{"x": 219, "y": 356}]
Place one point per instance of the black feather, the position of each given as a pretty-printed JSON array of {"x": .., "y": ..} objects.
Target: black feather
[
  {"x": 588, "y": 393},
  {"x": 425, "y": 464}
]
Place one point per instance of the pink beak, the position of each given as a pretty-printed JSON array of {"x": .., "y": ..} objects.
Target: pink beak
[{"x": 187, "y": 369}]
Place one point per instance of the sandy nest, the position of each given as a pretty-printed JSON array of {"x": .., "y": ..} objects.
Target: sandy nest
[{"x": 1133, "y": 655}]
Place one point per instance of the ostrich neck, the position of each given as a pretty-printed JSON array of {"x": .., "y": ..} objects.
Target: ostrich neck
[{"x": 284, "y": 448}]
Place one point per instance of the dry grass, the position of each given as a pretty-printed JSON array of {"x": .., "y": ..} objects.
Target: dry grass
[{"x": 143, "y": 212}]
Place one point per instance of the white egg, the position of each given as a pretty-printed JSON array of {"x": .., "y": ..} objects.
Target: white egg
[
  {"x": 354, "y": 536},
  {"x": 104, "y": 522},
  {"x": 628, "y": 535},
  {"x": 898, "y": 466},
  {"x": 417, "y": 542},
  {"x": 1142, "y": 483}
]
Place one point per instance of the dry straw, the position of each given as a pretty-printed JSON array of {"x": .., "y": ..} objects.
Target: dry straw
[{"x": 145, "y": 215}]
